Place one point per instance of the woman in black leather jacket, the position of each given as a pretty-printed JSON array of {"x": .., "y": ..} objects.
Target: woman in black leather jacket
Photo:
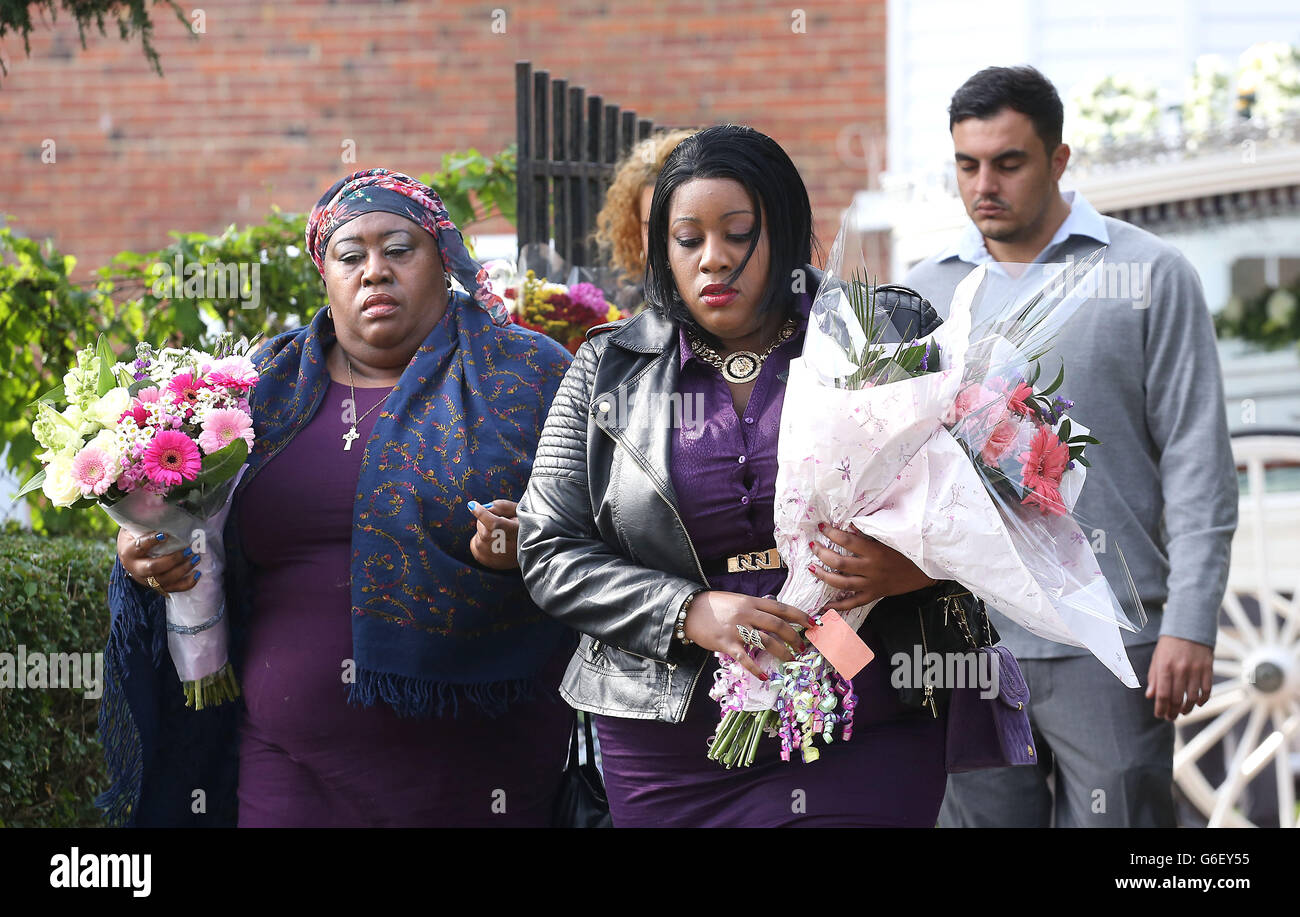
[{"x": 651, "y": 497}]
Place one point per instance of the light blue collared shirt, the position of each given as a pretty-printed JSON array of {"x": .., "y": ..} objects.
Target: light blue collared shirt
[{"x": 1084, "y": 220}]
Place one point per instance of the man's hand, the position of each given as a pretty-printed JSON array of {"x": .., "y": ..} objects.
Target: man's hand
[
  {"x": 1181, "y": 675},
  {"x": 496, "y": 543}
]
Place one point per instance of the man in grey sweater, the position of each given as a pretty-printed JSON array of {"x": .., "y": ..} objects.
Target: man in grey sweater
[{"x": 1143, "y": 372}]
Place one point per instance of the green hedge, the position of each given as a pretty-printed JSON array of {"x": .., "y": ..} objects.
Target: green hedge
[{"x": 53, "y": 599}]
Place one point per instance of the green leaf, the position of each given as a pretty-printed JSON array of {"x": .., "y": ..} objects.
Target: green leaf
[
  {"x": 1060, "y": 377},
  {"x": 107, "y": 359},
  {"x": 1084, "y": 438},
  {"x": 1064, "y": 432},
  {"x": 1084, "y": 462},
  {"x": 35, "y": 482},
  {"x": 50, "y": 397},
  {"x": 218, "y": 468}
]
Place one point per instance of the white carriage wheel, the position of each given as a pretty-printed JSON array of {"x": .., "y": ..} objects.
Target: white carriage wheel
[{"x": 1253, "y": 714}]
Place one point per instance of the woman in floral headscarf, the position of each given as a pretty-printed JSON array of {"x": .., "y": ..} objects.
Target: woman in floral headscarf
[{"x": 394, "y": 669}]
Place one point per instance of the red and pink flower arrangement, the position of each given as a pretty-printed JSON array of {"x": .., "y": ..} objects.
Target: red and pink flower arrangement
[{"x": 1020, "y": 438}]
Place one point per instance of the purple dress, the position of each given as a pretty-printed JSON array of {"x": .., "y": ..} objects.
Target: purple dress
[
  {"x": 657, "y": 774},
  {"x": 309, "y": 759}
]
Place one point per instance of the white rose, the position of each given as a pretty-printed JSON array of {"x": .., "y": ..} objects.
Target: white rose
[
  {"x": 59, "y": 486},
  {"x": 106, "y": 410}
]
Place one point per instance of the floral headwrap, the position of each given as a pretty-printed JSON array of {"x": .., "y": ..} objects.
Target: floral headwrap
[{"x": 392, "y": 192}]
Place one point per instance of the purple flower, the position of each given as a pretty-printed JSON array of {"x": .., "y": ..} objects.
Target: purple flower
[{"x": 590, "y": 297}]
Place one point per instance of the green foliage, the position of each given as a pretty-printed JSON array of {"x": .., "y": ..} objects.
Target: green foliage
[
  {"x": 132, "y": 18},
  {"x": 52, "y": 600},
  {"x": 1271, "y": 318},
  {"x": 475, "y": 187},
  {"x": 44, "y": 319},
  {"x": 258, "y": 279}
]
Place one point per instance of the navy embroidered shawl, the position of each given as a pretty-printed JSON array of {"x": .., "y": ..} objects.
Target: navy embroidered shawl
[{"x": 430, "y": 626}]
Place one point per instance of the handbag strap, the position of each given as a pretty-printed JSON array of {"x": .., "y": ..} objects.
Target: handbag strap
[
  {"x": 591, "y": 742},
  {"x": 953, "y": 607},
  {"x": 575, "y": 752}
]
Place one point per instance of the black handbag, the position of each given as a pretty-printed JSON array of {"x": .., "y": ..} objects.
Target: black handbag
[
  {"x": 944, "y": 619},
  {"x": 581, "y": 802}
]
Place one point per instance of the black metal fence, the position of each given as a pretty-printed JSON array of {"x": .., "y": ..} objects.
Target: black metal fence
[{"x": 568, "y": 143}]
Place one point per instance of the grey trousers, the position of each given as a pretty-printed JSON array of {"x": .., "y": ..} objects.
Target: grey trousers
[{"x": 1110, "y": 759}]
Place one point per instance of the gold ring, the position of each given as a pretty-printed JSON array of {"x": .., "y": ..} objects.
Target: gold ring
[{"x": 153, "y": 584}]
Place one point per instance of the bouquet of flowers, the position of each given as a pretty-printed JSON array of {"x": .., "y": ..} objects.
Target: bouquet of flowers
[
  {"x": 159, "y": 443},
  {"x": 943, "y": 450},
  {"x": 564, "y": 313}
]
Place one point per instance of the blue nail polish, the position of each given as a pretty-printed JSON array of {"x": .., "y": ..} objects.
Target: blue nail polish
[
  {"x": 194, "y": 560},
  {"x": 161, "y": 536},
  {"x": 473, "y": 505},
  {"x": 188, "y": 552},
  {"x": 196, "y": 577}
]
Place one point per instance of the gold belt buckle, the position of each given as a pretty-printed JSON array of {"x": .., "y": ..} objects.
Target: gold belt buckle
[{"x": 755, "y": 560}]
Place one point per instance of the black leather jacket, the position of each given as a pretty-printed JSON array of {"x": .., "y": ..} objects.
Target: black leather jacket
[{"x": 602, "y": 545}]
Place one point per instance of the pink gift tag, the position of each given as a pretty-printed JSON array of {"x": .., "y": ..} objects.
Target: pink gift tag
[{"x": 841, "y": 646}]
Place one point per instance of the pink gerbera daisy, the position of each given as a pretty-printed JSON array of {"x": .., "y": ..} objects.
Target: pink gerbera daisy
[
  {"x": 149, "y": 395},
  {"x": 232, "y": 372},
  {"x": 1043, "y": 465},
  {"x": 223, "y": 427},
  {"x": 184, "y": 389},
  {"x": 1016, "y": 401},
  {"x": 93, "y": 471},
  {"x": 171, "y": 459}
]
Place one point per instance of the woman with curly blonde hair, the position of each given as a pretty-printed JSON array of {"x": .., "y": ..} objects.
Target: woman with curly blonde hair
[{"x": 622, "y": 223}]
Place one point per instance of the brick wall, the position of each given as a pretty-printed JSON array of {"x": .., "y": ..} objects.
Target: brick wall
[{"x": 255, "y": 111}]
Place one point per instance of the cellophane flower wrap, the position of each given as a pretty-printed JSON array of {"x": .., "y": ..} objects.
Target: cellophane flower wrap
[
  {"x": 159, "y": 443},
  {"x": 943, "y": 449}
]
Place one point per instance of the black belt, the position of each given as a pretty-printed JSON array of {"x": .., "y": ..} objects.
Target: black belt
[{"x": 748, "y": 561}]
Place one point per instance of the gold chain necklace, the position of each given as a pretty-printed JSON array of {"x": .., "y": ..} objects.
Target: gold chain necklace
[
  {"x": 352, "y": 433},
  {"x": 743, "y": 365}
]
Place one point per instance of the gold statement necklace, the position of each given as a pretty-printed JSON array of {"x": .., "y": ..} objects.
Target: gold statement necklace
[{"x": 743, "y": 365}]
